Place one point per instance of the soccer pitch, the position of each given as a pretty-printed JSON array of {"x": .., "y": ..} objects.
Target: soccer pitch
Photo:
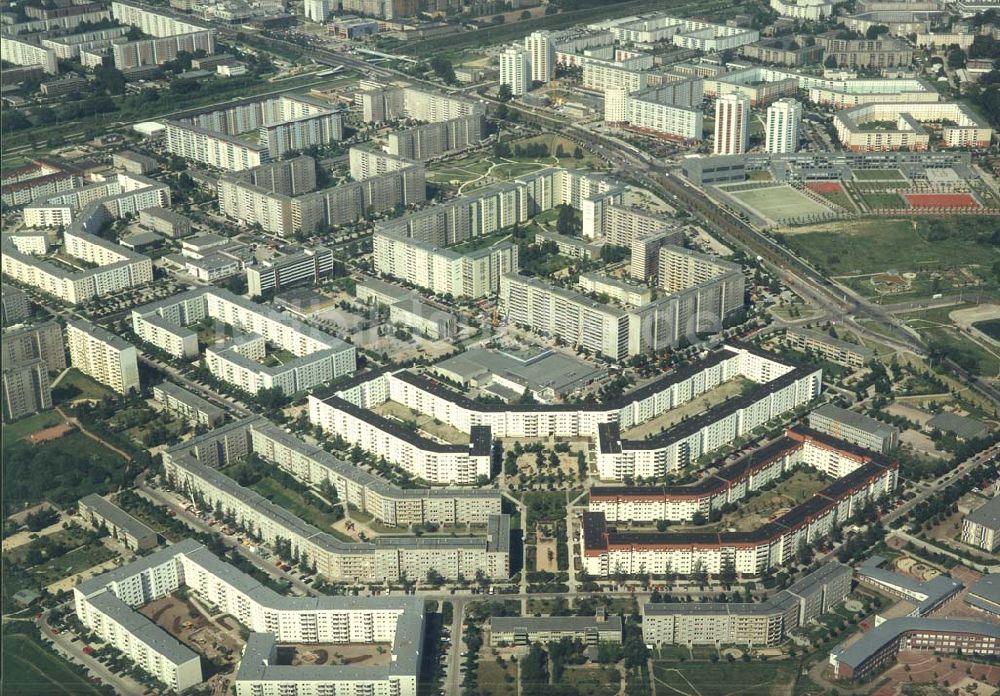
[{"x": 780, "y": 203}]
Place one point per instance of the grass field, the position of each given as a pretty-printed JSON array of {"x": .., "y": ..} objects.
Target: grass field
[
  {"x": 936, "y": 328},
  {"x": 495, "y": 680},
  {"x": 884, "y": 200},
  {"x": 31, "y": 424},
  {"x": 991, "y": 328},
  {"x": 80, "y": 386},
  {"x": 29, "y": 670},
  {"x": 780, "y": 203},
  {"x": 724, "y": 678},
  {"x": 77, "y": 560},
  {"x": 297, "y": 503},
  {"x": 593, "y": 682},
  {"x": 878, "y": 175},
  {"x": 879, "y": 245}
]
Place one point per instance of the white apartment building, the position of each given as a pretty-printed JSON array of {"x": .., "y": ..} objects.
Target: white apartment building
[
  {"x": 188, "y": 405},
  {"x": 318, "y": 10},
  {"x": 105, "y": 357},
  {"x": 387, "y": 558},
  {"x": 810, "y": 10},
  {"x": 319, "y": 357},
  {"x": 960, "y": 126},
  {"x": 106, "y": 605},
  {"x": 732, "y": 124},
  {"x": 128, "y": 55},
  {"x": 515, "y": 70},
  {"x": 542, "y": 50},
  {"x": 433, "y": 139},
  {"x": 19, "y": 52},
  {"x": 782, "y": 129},
  {"x": 420, "y": 457}
]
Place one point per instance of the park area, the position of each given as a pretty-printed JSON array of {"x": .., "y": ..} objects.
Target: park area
[
  {"x": 878, "y": 175},
  {"x": 774, "y": 678},
  {"x": 780, "y": 203}
]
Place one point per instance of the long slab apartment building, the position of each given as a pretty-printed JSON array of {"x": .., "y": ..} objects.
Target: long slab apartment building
[
  {"x": 190, "y": 467},
  {"x": 108, "y": 603},
  {"x": 282, "y": 198},
  {"x": 283, "y": 123},
  {"x": 753, "y": 624},
  {"x": 319, "y": 357},
  {"x": 701, "y": 293},
  {"x": 861, "y": 477},
  {"x": 781, "y": 388}
]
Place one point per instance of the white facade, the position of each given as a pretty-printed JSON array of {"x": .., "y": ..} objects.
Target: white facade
[
  {"x": 732, "y": 124},
  {"x": 105, "y": 357},
  {"x": 783, "y": 120},
  {"x": 515, "y": 70},
  {"x": 542, "y": 52}
]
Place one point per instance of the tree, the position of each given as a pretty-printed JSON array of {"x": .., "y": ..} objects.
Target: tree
[
  {"x": 566, "y": 223},
  {"x": 526, "y": 14},
  {"x": 830, "y": 62},
  {"x": 956, "y": 58},
  {"x": 504, "y": 94},
  {"x": 577, "y": 153},
  {"x": 876, "y": 31},
  {"x": 443, "y": 68}
]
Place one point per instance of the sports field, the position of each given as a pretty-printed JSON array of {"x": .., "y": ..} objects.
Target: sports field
[
  {"x": 780, "y": 203},
  {"x": 941, "y": 200}
]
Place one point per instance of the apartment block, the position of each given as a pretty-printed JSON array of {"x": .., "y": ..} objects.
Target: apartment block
[
  {"x": 20, "y": 52},
  {"x": 129, "y": 531},
  {"x": 129, "y": 55},
  {"x": 319, "y": 357},
  {"x": 515, "y": 70},
  {"x": 828, "y": 347},
  {"x": 15, "y": 304},
  {"x": 433, "y": 139},
  {"x": 165, "y": 222},
  {"x": 387, "y": 558},
  {"x": 188, "y": 405},
  {"x": 107, "y": 358},
  {"x": 306, "y": 266},
  {"x": 981, "y": 527},
  {"x": 747, "y": 623},
  {"x": 528, "y": 630},
  {"x": 26, "y": 388},
  {"x": 672, "y": 110},
  {"x": 857, "y": 131},
  {"x": 855, "y": 428},
  {"x": 284, "y": 123},
  {"x": 28, "y": 342},
  {"x": 36, "y": 181},
  {"x": 883, "y": 52}
]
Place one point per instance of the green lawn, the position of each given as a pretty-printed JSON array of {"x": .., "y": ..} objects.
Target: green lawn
[
  {"x": 30, "y": 425},
  {"x": 77, "y": 560},
  {"x": 495, "y": 680},
  {"x": 991, "y": 328},
  {"x": 724, "y": 678},
  {"x": 885, "y": 199},
  {"x": 878, "y": 245},
  {"x": 603, "y": 681},
  {"x": 878, "y": 175},
  {"x": 76, "y": 385},
  {"x": 29, "y": 669},
  {"x": 297, "y": 503},
  {"x": 840, "y": 198}
]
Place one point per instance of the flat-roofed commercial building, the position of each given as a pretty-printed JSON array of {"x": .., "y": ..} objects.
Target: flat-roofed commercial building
[
  {"x": 306, "y": 266},
  {"x": 878, "y": 647},
  {"x": 528, "y": 630},
  {"x": 122, "y": 526},
  {"x": 105, "y": 357}
]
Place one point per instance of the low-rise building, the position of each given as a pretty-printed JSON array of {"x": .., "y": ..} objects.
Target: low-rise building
[
  {"x": 188, "y": 405},
  {"x": 132, "y": 533},
  {"x": 134, "y": 162},
  {"x": 528, "y": 630},
  {"x": 984, "y": 595},
  {"x": 166, "y": 222},
  {"x": 855, "y": 428},
  {"x": 828, "y": 347}
]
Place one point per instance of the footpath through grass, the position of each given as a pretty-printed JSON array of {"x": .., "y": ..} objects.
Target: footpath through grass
[{"x": 725, "y": 678}]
